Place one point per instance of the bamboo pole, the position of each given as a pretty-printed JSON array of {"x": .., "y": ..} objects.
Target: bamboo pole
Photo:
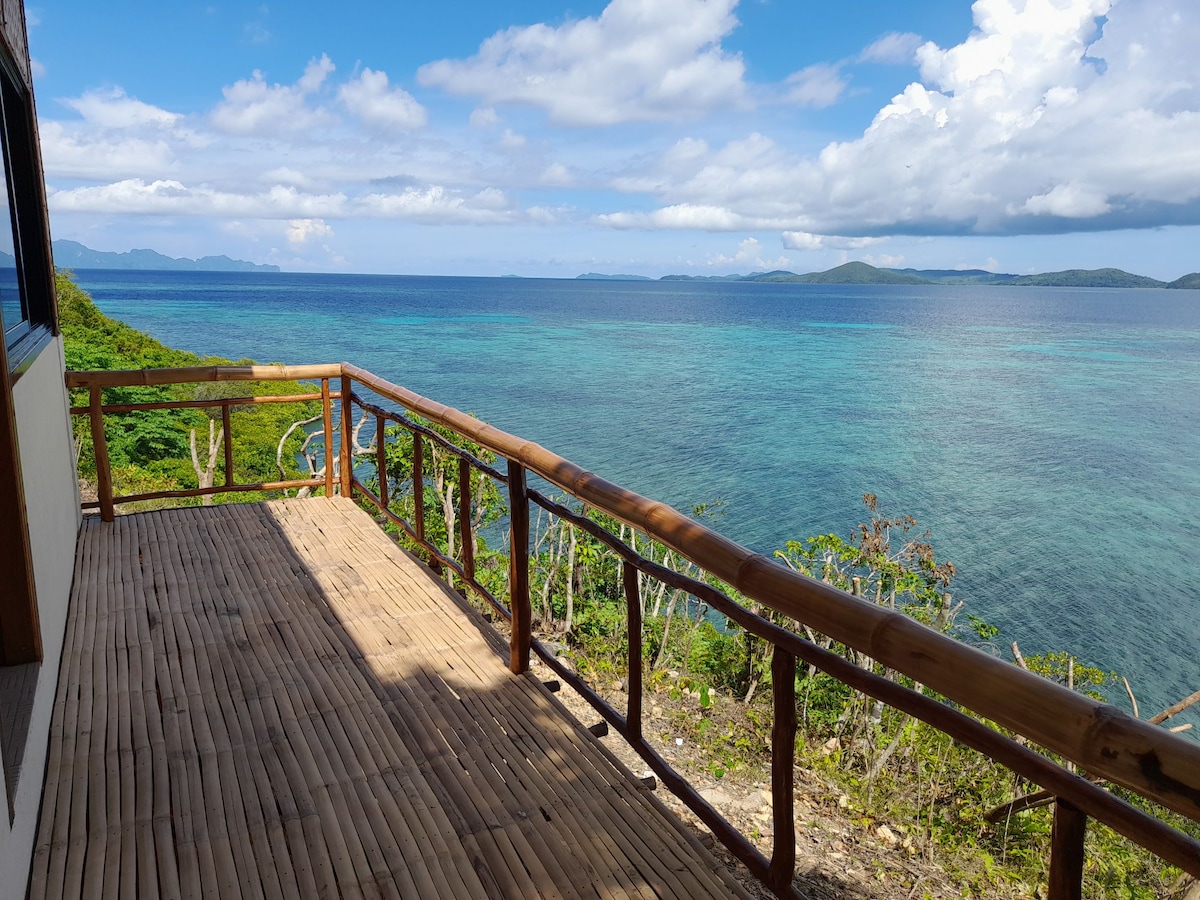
[
  {"x": 1066, "y": 852},
  {"x": 197, "y": 374},
  {"x": 104, "y": 486},
  {"x": 217, "y": 489},
  {"x": 327, "y": 424},
  {"x": 518, "y": 568},
  {"x": 346, "y": 466},
  {"x": 633, "y": 614},
  {"x": 783, "y": 762},
  {"x": 228, "y": 444},
  {"x": 466, "y": 538},
  {"x": 203, "y": 404},
  {"x": 381, "y": 460},
  {"x": 418, "y": 486}
]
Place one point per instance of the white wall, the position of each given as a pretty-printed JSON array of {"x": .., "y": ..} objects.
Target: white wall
[{"x": 52, "y": 502}]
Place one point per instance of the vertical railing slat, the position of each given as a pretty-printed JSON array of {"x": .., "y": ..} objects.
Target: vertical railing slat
[
  {"x": 464, "y": 518},
  {"x": 327, "y": 415},
  {"x": 518, "y": 569},
  {"x": 346, "y": 457},
  {"x": 418, "y": 483},
  {"x": 783, "y": 761},
  {"x": 381, "y": 460},
  {"x": 104, "y": 485},
  {"x": 228, "y": 441},
  {"x": 1066, "y": 852},
  {"x": 633, "y": 608}
]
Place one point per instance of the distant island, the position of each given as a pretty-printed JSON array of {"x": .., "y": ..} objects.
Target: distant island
[
  {"x": 862, "y": 273},
  {"x": 73, "y": 255}
]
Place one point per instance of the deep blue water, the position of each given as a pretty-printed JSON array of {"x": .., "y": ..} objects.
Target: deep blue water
[{"x": 1050, "y": 438}]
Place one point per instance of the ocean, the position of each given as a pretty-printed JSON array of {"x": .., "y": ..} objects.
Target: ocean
[{"x": 1049, "y": 438}]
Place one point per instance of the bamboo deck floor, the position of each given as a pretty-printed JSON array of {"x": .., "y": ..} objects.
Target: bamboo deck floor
[{"x": 274, "y": 701}]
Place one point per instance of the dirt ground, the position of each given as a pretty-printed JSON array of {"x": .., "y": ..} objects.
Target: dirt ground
[{"x": 839, "y": 855}]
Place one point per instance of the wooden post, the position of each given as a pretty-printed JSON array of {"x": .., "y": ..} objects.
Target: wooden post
[
  {"x": 418, "y": 482},
  {"x": 347, "y": 454},
  {"x": 783, "y": 761},
  {"x": 327, "y": 414},
  {"x": 381, "y": 460},
  {"x": 464, "y": 518},
  {"x": 228, "y": 444},
  {"x": 1066, "y": 852},
  {"x": 518, "y": 568},
  {"x": 633, "y": 608},
  {"x": 104, "y": 485}
]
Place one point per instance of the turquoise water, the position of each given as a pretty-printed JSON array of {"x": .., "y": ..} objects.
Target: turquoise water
[{"x": 1050, "y": 438}]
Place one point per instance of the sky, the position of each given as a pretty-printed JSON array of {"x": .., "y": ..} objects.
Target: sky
[{"x": 649, "y": 137}]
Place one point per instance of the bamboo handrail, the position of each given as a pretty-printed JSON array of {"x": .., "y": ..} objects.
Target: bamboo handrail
[
  {"x": 1099, "y": 737},
  {"x": 194, "y": 374}
]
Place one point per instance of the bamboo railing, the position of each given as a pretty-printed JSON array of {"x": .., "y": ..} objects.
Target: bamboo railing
[
  {"x": 1101, "y": 739},
  {"x": 96, "y": 382}
]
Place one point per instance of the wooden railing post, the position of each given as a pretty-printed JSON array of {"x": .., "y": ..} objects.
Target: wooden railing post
[
  {"x": 327, "y": 415},
  {"x": 346, "y": 456},
  {"x": 104, "y": 485},
  {"x": 228, "y": 441},
  {"x": 464, "y": 518},
  {"x": 518, "y": 569},
  {"x": 783, "y": 762},
  {"x": 1066, "y": 852},
  {"x": 418, "y": 483},
  {"x": 633, "y": 609},
  {"x": 381, "y": 460}
]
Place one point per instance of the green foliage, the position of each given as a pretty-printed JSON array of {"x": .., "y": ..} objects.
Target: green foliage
[{"x": 149, "y": 450}]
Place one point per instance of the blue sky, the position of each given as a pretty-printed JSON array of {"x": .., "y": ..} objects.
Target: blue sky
[{"x": 635, "y": 136}]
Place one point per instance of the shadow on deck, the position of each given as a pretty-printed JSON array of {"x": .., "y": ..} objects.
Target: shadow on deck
[{"x": 273, "y": 701}]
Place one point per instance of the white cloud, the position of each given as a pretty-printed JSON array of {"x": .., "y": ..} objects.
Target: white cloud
[
  {"x": 818, "y": 86},
  {"x": 510, "y": 140},
  {"x": 1034, "y": 122},
  {"x": 1071, "y": 201},
  {"x": 749, "y": 253},
  {"x": 637, "y": 61},
  {"x": 251, "y": 106},
  {"x": 37, "y": 68},
  {"x": 68, "y": 153},
  {"x": 484, "y": 117},
  {"x": 804, "y": 240},
  {"x": 893, "y": 48},
  {"x": 113, "y": 108},
  {"x": 370, "y": 98},
  {"x": 439, "y": 205},
  {"x": 301, "y": 231},
  {"x": 172, "y": 197}
]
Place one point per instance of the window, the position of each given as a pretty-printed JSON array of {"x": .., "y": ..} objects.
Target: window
[{"x": 26, "y": 287}]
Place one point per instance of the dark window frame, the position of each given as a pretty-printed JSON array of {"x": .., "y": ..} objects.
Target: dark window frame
[{"x": 25, "y": 340}]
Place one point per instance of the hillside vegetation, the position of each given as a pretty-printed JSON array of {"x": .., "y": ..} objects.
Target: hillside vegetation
[{"x": 150, "y": 451}]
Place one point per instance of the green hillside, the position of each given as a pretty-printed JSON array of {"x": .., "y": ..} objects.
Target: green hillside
[
  {"x": 1187, "y": 282},
  {"x": 850, "y": 273},
  {"x": 1090, "y": 278}
]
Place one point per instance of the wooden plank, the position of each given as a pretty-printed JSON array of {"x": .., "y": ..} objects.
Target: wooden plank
[{"x": 325, "y": 703}]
